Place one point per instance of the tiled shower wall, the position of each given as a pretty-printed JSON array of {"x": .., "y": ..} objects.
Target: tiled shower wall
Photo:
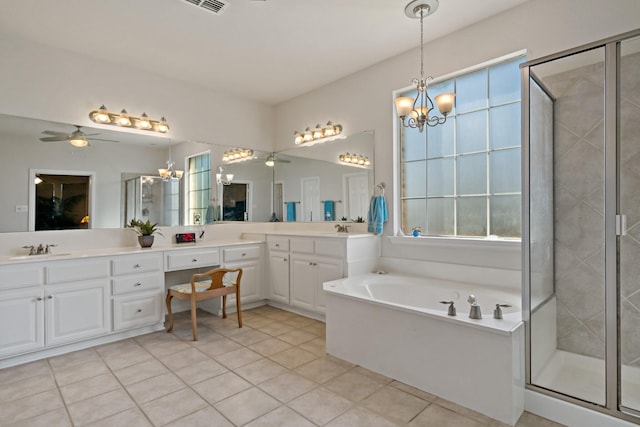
[{"x": 579, "y": 208}]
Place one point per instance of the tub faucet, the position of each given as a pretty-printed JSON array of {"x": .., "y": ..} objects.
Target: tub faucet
[
  {"x": 452, "y": 309},
  {"x": 475, "y": 312},
  {"x": 497, "y": 313}
]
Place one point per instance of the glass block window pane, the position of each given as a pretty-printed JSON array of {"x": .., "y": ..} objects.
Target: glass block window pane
[
  {"x": 440, "y": 177},
  {"x": 440, "y": 139},
  {"x": 505, "y": 126},
  {"x": 415, "y": 183},
  {"x": 472, "y": 174},
  {"x": 414, "y": 215},
  {"x": 505, "y": 171},
  {"x": 505, "y": 216},
  {"x": 471, "y": 92},
  {"x": 440, "y": 220},
  {"x": 472, "y": 132},
  {"x": 199, "y": 187},
  {"x": 504, "y": 82},
  {"x": 472, "y": 216},
  {"x": 414, "y": 146}
]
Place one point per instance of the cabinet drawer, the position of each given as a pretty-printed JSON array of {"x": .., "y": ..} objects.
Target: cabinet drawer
[
  {"x": 241, "y": 254},
  {"x": 180, "y": 260},
  {"x": 21, "y": 276},
  {"x": 301, "y": 246},
  {"x": 278, "y": 243},
  {"x": 129, "y": 264},
  {"x": 80, "y": 269},
  {"x": 136, "y": 311},
  {"x": 330, "y": 247},
  {"x": 137, "y": 283}
]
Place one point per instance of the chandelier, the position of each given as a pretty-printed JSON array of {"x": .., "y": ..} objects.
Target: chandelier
[
  {"x": 416, "y": 113},
  {"x": 170, "y": 173},
  {"x": 123, "y": 119},
  {"x": 227, "y": 179}
]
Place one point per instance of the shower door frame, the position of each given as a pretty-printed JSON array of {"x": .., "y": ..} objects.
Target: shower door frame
[{"x": 612, "y": 230}]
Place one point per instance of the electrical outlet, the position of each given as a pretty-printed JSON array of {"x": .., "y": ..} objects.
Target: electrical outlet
[{"x": 196, "y": 218}]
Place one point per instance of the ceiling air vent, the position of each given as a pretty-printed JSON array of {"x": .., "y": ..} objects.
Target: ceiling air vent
[{"x": 215, "y": 6}]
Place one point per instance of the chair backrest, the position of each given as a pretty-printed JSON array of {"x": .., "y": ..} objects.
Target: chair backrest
[{"x": 216, "y": 276}]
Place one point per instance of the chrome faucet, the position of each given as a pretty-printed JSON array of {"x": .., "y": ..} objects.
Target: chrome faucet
[
  {"x": 342, "y": 228},
  {"x": 475, "y": 312},
  {"x": 452, "y": 309},
  {"x": 40, "y": 249},
  {"x": 32, "y": 249},
  {"x": 497, "y": 313}
]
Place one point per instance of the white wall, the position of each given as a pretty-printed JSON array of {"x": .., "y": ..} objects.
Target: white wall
[
  {"x": 364, "y": 100},
  {"x": 41, "y": 82}
]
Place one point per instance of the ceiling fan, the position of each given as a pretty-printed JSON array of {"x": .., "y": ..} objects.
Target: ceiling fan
[
  {"x": 77, "y": 138},
  {"x": 272, "y": 159}
]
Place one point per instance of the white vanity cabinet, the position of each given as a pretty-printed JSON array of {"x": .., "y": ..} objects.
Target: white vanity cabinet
[
  {"x": 249, "y": 259},
  {"x": 278, "y": 249},
  {"x": 21, "y": 309},
  {"x": 313, "y": 262},
  {"x": 76, "y": 297},
  {"x": 138, "y": 290}
]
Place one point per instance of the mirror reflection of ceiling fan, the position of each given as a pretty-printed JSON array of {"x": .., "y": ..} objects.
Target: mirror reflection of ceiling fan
[
  {"x": 271, "y": 160},
  {"x": 77, "y": 138}
]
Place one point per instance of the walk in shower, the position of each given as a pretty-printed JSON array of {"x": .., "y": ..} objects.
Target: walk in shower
[{"x": 581, "y": 227}]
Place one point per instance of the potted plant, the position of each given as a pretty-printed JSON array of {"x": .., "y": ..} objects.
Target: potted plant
[{"x": 145, "y": 231}]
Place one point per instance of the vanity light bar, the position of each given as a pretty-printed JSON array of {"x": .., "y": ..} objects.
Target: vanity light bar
[
  {"x": 319, "y": 132},
  {"x": 237, "y": 155},
  {"x": 354, "y": 159},
  {"x": 123, "y": 119}
]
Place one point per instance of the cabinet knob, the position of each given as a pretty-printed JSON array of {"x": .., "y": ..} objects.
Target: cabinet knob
[
  {"x": 244, "y": 254},
  {"x": 136, "y": 266},
  {"x": 38, "y": 298},
  {"x": 284, "y": 259},
  {"x": 277, "y": 245},
  {"x": 194, "y": 260},
  {"x": 139, "y": 310},
  {"x": 49, "y": 296},
  {"x": 137, "y": 284}
]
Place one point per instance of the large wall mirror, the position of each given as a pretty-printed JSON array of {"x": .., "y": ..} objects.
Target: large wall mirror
[{"x": 307, "y": 176}]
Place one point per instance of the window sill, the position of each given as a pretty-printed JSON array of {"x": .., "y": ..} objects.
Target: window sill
[{"x": 458, "y": 242}]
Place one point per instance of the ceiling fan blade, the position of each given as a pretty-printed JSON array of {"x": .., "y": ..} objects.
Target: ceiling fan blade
[
  {"x": 54, "y": 138},
  {"x": 105, "y": 140},
  {"x": 51, "y": 132}
]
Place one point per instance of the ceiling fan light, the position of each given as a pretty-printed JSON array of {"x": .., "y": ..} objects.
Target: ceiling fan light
[
  {"x": 271, "y": 161},
  {"x": 79, "y": 142}
]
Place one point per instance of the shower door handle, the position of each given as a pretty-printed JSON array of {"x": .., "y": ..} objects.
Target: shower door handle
[{"x": 621, "y": 225}]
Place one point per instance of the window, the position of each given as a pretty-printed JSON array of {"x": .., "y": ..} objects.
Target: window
[
  {"x": 463, "y": 178},
  {"x": 199, "y": 185}
]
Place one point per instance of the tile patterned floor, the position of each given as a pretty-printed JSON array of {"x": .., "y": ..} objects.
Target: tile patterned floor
[{"x": 272, "y": 372}]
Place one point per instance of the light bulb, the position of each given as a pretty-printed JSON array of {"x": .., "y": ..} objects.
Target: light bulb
[
  {"x": 144, "y": 122},
  {"x": 123, "y": 118}
]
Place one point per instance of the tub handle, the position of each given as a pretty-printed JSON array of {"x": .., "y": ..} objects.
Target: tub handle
[
  {"x": 452, "y": 308},
  {"x": 497, "y": 313}
]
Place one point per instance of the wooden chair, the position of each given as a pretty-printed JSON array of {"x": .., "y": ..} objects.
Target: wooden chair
[{"x": 199, "y": 290}]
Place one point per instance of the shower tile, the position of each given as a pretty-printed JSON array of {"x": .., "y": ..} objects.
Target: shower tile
[
  {"x": 563, "y": 139},
  {"x": 582, "y": 341},
  {"x": 580, "y": 107},
  {"x": 570, "y": 167},
  {"x": 581, "y": 292},
  {"x": 566, "y": 322},
  {"x": 629, "y": 265},
  {"x": 629, "y": 332},
  {"x": 595, "y": 136}
]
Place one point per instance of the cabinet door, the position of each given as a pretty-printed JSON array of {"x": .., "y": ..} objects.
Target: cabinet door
[
  {"x": 303, "y": 279},
  {"x": 22, "y": 320},
  {"x": 327, "y": 270},
  {"x": 77, "y": 311},
  {"x": 250, "y": 285},
  {"x": 279, "y": 275}
]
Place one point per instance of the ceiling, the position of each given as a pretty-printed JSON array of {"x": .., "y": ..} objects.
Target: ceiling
[{"x": 266, "y": 50}]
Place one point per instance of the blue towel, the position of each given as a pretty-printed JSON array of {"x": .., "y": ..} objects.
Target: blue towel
[
  {"x": 291, "y": 211},
  {"x": 377, "y": 214},
  {"x": 329, "y": 210}
]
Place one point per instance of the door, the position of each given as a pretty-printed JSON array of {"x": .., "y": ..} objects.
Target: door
[
  {"x": 327, "y": 270},
  {"x": 77, "y": 311},
  {"x": 358, "y": 195},
  {"x": 236, "y": 202},
  {"x": 22, "y": 320},
  {"x": 311, "y": 206},
  {"x": 279, "y": 272},
  {"x": 303, "y": 280}
]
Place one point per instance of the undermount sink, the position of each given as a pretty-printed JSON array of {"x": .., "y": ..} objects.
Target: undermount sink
[{"x": 37, "y": 257}]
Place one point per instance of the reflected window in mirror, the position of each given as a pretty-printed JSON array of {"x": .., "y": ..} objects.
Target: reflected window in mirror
[
  {"x": 199, "y": 189},
  {"x": 61, "y": 200}
]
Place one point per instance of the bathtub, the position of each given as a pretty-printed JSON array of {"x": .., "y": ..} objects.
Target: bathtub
[{"x": 395, "y": 325}]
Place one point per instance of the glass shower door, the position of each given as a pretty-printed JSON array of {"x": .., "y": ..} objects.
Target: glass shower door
[{"x": 629, "y": 208}]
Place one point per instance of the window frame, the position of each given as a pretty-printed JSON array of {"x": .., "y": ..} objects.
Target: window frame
[{"x": 398, "y": 160}]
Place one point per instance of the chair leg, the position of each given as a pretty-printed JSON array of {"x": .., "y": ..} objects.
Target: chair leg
[
  {"x": 238, "y": 310},
  {"x": 169, "y": 298},
  {"x": 194, "y": 321},
  {"x": 224, "y": 306}
]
